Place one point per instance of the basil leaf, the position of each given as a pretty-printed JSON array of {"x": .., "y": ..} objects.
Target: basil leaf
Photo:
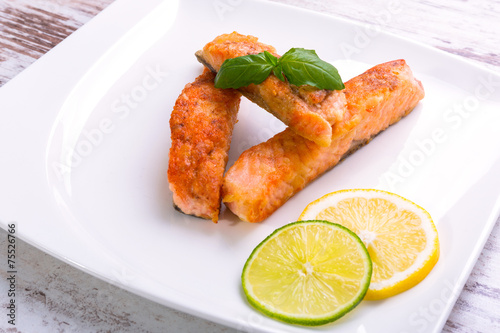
[
  {"x": 304, "y": 67},
  {"x": 242, "y": 71},
  {"x": 271, "y": 59},
  {"x": 299, "y": 66},
  {"x": 278, "y": 72}
]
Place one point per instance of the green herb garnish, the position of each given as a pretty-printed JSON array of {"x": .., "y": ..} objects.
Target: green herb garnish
[{"x": 299, "y": 66}]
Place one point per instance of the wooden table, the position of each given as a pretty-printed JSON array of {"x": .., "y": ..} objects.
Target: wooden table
[{"x": 55, "y": 297}]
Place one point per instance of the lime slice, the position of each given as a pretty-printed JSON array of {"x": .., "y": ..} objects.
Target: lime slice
[
  {"x": 308, "y": 273},
  {"x": 400, "y": 235}
]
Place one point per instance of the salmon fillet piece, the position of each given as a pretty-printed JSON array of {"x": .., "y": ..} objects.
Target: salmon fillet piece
[
  {"x": 308, "y": 111},
  {"x": 265, "y": 176},
  {"x": 201, "y": 126}
]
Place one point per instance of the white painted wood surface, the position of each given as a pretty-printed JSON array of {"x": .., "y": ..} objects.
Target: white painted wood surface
[{"x": 55, "y": 297}]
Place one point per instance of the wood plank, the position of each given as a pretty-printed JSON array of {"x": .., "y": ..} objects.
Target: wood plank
[
  {"x": 60, "y": 297},
  {"x": 467, "y": 28},
  {"x": 28, "y": 29}
]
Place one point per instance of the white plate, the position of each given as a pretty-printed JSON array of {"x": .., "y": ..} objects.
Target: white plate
[{"x": 84, "y": 140}]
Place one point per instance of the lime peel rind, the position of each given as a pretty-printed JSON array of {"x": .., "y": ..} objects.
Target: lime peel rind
[
  {"x": 417, "y": 272},
  {"x": 308, "y": 319}
]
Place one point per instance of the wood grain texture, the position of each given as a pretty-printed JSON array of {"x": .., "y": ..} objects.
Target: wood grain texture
[
  {"x": 28, "y": 29},
  {"x": 56, "y": 297},
  {"x": 467, "y": 28}
]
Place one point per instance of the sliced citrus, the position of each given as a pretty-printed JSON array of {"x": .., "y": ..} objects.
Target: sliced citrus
[
  {"x": 308, "y": 273},
  {"x": 400, "y": 236}
]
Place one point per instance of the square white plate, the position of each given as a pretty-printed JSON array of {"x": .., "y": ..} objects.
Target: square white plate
[{"x": 84, "y": 140}]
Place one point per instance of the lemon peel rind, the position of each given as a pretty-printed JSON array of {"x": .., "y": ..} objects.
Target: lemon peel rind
[
  {"x": 308, "y": 320},
  {"x": 419, "y": 270},
  {"x": 411, "y": 281}
]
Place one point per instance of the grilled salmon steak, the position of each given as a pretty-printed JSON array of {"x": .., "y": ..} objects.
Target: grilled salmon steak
[
  {"x": 201, "y": 126},
  {"x": 265, "y": 176},
  {"x": 308, "y": 111}
]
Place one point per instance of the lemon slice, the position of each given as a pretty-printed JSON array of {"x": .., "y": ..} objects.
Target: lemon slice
[
  {"x": 399, "y": 235},
  {"x": 308, "y": 273}
]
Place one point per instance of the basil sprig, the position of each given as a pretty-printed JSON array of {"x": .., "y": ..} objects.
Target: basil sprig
[{"x": 299, "y": 66}]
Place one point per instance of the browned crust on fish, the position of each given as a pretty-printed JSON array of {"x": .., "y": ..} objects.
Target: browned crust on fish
[
  {"x": 307, "y": 111},
  {"x": 267, "y": 175},
  {"x": 201, "y": 127}
]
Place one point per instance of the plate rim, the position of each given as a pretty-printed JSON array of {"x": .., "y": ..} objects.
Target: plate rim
[{"x": 116, "y": 7}]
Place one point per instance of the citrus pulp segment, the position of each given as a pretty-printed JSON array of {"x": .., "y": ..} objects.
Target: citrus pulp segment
[
  {"x": 400, "y": 236},
  {"x": 308, "y": 273}
]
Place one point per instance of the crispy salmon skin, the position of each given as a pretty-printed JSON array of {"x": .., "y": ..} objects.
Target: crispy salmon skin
[
  {"x": 201, "y": 126},
  {"x": 265, "y": 176},
  {"x": 308, "y": 111}
]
